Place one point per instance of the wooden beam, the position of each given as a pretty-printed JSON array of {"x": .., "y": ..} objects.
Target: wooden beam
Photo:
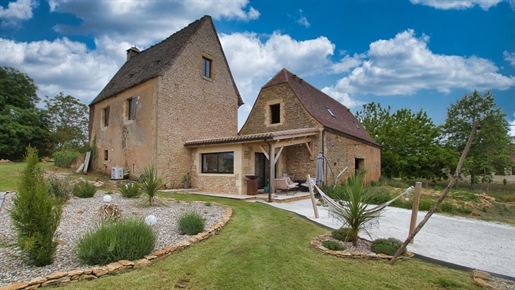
[
  {"x": 278, "y": 154},
  {"x": 264, "y": 152},
  {"x": 291, "y": 142},
  {"x": 309, "y": 145}
]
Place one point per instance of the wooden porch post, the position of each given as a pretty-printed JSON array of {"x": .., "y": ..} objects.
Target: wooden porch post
[{"x": 272, "y": 168}]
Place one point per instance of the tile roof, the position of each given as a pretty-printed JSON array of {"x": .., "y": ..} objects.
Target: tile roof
[
  {"x": 255, "y": 137},
  {"x": 326, "y": 110},
  {"x": 155, "y": 61}
]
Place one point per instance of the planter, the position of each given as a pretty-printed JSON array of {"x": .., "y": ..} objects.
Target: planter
[{"x": 187, "y": 184}]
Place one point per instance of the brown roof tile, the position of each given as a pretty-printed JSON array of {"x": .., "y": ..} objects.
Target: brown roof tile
[
  {"x": 154, "y": 61},
  {"x": 254, "y": 137},
  {"x": 326, "y": 110}
]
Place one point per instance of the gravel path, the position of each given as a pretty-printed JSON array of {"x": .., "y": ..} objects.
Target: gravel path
[{"x": 79, "y": 215}]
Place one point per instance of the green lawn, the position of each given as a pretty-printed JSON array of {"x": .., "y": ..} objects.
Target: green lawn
[
  {"x": 266, "y": 248},
  {"x": 10, "y": 173}
]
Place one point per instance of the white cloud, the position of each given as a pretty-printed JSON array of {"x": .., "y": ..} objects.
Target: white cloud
[
  {"x": 509, "y": 57},
  {"x": 145, "y": 22},
  {"x": 458, "y": 4},
  {"x": 347, "y": 63},
  {"x": 64, "y": 66},
  {"x": 303, "y": 21},
  {"x": 254, "y": 61},
  {"x": 341, "y": 97},
  {"x": 16, "y": 12},
  {"x": 404, "y": 65}
]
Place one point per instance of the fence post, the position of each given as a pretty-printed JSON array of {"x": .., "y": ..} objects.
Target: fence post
[{"x": 414, "y": 209}]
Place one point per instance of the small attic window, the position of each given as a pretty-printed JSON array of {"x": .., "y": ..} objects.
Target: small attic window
[
  {"x": 355, "y": 124},
  {"x": 330, "y": 112},
  {"x": 206, "y": 67},
  {"x": 131, "y": 75},
  {"x": 156, "y": 62}
]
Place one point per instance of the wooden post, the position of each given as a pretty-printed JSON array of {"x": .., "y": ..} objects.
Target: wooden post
[
  {"x": 312, "y": 194},
  {"x": 272, "y": 169},
  {"x": 414, "y": 209}
]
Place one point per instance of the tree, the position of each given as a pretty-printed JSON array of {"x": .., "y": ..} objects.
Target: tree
[
  {"x": 35, "y": 214},
  {"x": 410, "y": 147},
  {"x": 490, "y": 150},
  {"x": 21, "y": 123},
  {"x": 68, "y": 121}
]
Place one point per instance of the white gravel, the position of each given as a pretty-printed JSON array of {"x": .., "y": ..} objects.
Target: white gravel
[{"x": 81, "y": 214}]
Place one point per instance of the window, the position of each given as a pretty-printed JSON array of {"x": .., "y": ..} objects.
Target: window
[
  {"x": 275, "y": 114},
  {"x": 131, "y": 108},
  {"x": 106, "y": 154},
  {"x": 218, "y": 162},
  {"x": 330, "y": 112},
  {"x": 206, "y": 67},
  {"x": 106, "y": 116}
]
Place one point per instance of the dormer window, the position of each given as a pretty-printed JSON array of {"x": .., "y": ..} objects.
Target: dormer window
[{"x": 206, "y": 67}]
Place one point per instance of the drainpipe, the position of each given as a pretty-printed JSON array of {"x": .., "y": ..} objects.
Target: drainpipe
[
  {"x": 271, "y": 185},
  {"x": 323, "y": 154}
]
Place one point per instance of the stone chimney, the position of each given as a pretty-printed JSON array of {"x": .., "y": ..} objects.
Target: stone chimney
[{"x": 132, "y": 52}]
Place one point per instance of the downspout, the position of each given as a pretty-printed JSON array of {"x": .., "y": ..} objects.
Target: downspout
[
  {"x": 323, "y": 154},
  {"x": 271, "y": 185}
]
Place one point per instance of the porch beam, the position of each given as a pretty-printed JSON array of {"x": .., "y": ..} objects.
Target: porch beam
[
  {"x": 264, "y": 151},
  {"x": 272, "y": 168},
  {"x": 278, "y": 154},
  {"x": 309, "y": 145},
  {"x": 291, "y": 142}
]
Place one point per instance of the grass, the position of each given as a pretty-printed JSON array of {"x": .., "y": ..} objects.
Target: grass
[
  {"x": 266, "y": 248},
  {"x": 11, "y": 172}
]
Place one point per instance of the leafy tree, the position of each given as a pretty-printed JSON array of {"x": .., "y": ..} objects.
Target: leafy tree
[
  {"x": 21, "y": 123},
  {"x": 68, "y": 122},
  {"x": 409, "y": 141},
  {"x": 490, "y": 150},
  {"x": 35, "y": 214}
]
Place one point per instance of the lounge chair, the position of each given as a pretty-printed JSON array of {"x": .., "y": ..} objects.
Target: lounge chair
[{"x": 286, "y": 185}]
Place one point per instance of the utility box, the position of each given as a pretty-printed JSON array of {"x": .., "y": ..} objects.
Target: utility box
[{"x": 116, "y": 172}]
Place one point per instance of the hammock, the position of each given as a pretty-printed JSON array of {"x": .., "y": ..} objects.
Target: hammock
[{"x": 334, "y": 206}]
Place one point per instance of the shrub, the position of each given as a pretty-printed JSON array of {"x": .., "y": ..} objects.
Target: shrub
[
  {"x": 58, "y": 188},
  {"x": 207, "y": 204},
  {"x": 386, "y": 246},
  {"x": 35, "y": 215},
  {"x": 356, "y": 199},
  {"x": 125, "y": 239},
  {"x": 342, "y": 234},
  {"x": 65, "y": 159},
  {"x": 191, "y": 223},
  {"x": 333, "y": 245},
  {"x": 447, "y": 207},
  {"x": 130, "y": 190},
  {"x": 150, "y": 183},
  {"x": 84, "y": 189}
]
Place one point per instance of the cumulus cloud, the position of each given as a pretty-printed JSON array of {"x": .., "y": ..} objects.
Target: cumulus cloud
[
  {"x": 509, "y": 57},
  {"x": 458, "y": 4},
  {"x": 342, "y": 97},
  {"x": 145, "y": 22},
  {"x": 64, "y": 66},
  {"x": 512, "y": 126},
  {"x": 253, "y": 60},
  {"x": 16, "y": 12},
  {"x": 404, "y": 65}
]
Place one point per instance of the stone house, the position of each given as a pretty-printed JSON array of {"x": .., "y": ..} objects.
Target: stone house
[
  {"x": 175, "y": 106},
  {"x": 289, "y": 124},
  {"x": 177, "y": 90}
]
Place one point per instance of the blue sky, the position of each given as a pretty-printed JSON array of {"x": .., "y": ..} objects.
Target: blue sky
[{"x": 416, "y": 54}]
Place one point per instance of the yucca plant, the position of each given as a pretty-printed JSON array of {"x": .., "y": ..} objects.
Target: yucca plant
[
  {"x": 150, "y": 182},
  {"x": 354, "y": 214}
]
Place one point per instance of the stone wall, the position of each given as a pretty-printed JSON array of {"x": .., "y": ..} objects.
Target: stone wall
[
  {"x": 292, "y": 111},
  {"x": 193, "y": 107},
  {"x": 129, "y": 143}
]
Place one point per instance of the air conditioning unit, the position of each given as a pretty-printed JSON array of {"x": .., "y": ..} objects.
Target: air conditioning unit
[{"x": 116, "y": 172}]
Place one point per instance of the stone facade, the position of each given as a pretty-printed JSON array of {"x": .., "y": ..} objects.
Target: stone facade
[{"x": 179, "y": 105}]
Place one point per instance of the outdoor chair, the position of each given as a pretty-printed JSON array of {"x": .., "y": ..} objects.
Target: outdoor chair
[{"x": 286, "y": 185}]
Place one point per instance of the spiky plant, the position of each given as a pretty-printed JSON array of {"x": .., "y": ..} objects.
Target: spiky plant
[
  {"x": 354, "y": 213},
  {"x": 150, "y": 182}
]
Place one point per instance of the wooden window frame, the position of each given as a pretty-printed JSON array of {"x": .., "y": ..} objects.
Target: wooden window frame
[
  {"x": 207, "y": 67},
  {"x": 131, "y": 108}
]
